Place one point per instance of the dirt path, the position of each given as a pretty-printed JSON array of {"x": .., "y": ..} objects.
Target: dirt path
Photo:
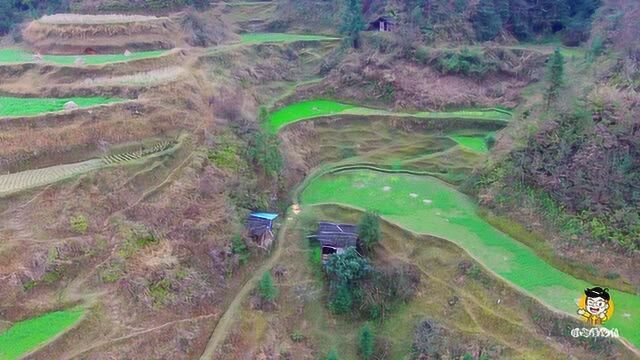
[
  {"x": 134, "y": 334},
  {"x": 226, "y": 321}
]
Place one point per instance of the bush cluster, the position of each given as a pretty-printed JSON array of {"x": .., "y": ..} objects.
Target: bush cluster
[{"x": 356, "y": 286}]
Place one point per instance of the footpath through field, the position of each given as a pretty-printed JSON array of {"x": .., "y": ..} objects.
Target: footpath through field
[{"x": 227, "y": 319}]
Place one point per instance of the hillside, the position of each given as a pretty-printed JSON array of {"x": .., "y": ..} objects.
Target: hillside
[{"x": 283, "y": 180}]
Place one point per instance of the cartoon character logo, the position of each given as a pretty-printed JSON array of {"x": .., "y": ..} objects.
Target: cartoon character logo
[{"x": 596, "y": 306}]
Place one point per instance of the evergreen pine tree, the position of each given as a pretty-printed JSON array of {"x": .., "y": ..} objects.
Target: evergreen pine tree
[
  {"x": 369, "y": 229},
  {"x": 7, "y": 16},
  {"x": 486, "y": 21},
  {"x": 555, "y": 76},
  {"x": 352, "y": 20},
  {"x": 268, "y": 290},
  {"x": 366, "y": 340}
]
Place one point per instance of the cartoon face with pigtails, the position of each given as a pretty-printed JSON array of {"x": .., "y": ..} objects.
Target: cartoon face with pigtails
[{"x": 596, "y": 306}]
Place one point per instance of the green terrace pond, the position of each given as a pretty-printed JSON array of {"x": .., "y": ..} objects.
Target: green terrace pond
[
  {"x": 253, "y": 38},
  {"x": 322, "y": 108},
  {"x": 27, "y": 335},
  {"x": 425, "y": 205},
  {"x": 16, "y": 56},
  {"x": 15, "y": 106}
]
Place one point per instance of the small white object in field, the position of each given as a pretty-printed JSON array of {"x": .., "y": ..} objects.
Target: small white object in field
[
  {"x": 427, "y": 201},
  {"x": 37, "y": 57},
  {"x": 386, "y": 188},
  {"x": 296, "y": 209},
  {"x": 70, "y": 105},
  {"x": 413, "y": 195},
  {"x": 127, "y": 53},
  {"x": 499, "y": 301},
  {"x": 79, "y": 60}
]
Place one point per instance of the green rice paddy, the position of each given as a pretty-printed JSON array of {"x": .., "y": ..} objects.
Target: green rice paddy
[
  {"x": 13, "y": 106},
  {"x": 473, "y": 143},
  {"x": 253, "y": 38},
  {"x": 426, "y": 205},
  {"x": 27, "y": 335},
  {"x": 9, "y": 56},
  {"x": 320, "y": 108}
]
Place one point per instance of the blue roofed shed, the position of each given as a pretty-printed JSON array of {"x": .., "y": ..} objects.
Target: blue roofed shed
[{"x": 260, "y": 226}]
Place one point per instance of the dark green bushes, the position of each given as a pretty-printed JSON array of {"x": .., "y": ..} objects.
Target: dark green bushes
[
  {"x": 465, "y": 62},
  {"x": 366, "y": 291},
  {"x": 581, "y": 174},
  {"x": 264, "y": 151}
]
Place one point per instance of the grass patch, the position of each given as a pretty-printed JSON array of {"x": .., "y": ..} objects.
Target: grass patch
[
  {"x": 473, "y": 143},
  {"x": 9, "y": 56},
  {"x": 253, "y": 38},
  {"x": 27, "y": 335},
  {"x": 12, "y": 106},
  {"x": 320, "y": 108},
  {"x": 441, "y": 211}
]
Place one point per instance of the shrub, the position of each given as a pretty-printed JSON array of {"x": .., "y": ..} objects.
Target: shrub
[
  {"x": 465, "y": 62},
  {"x": 347, "y": 267},
  {"x": 366, "y": 342},
  {"x": 297, "y": 336},
  {"x": 112, "y": 272},
  {"x": 136, "y": 236},
  {"x": 30, "y": 284},
  {"x": 490, "y": 141},
  {"x": 160, "y": 291},
  {"x": 264, "y": 151},
  {"x": 79, "y": 224},
  {"x": 226, "y": 154},
  {"x": 268, "y": 290},
  {"x": 51, "y": 276},
  {"x": 422, "y": 55},
  {"x": 263, "y": 115},
  {"x": 342, "y": 300},
  {"x": 239, "y": 248},
  {"x": 315, "y": 257},
  {"x": 369, "y": 229},
  {"x": 333, "y": 355}
]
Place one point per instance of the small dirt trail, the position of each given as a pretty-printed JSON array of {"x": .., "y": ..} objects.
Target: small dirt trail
[{"x": 226, "y": 321}]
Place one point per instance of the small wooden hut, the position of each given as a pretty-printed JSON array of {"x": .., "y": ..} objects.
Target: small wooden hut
[
  {"x": 260, "y": 228},
  {"x": 383, "y": 24},
  {"x": 335, "y": 238}
]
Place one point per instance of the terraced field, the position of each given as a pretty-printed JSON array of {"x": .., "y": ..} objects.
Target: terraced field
[
  {"x": 27, "y": 335},
  {"x": 426, "y": 205},
  {"x": 29, "y": 179},
  {"x": 14, "y": 106},
  {"x": 321, "y": 108},
  {"x": 253, "y": 38},
  {"x": 16, "y": 56},
  {"x": 404, "y": 144}
]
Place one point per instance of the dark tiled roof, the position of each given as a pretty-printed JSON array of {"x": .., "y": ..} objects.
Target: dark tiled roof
[
  {"x": 337, "y": 228},
  {"x": 337, "y": 235}
]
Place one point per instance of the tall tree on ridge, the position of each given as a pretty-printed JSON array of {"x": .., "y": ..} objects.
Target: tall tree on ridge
[{"x": 352, "y": 20}]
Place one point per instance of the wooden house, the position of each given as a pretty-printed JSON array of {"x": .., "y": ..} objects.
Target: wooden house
[
  {"x": 335, "y": 238},
  {"x": 260, "y": 228},
  {"x": 383, "y": 24}
]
